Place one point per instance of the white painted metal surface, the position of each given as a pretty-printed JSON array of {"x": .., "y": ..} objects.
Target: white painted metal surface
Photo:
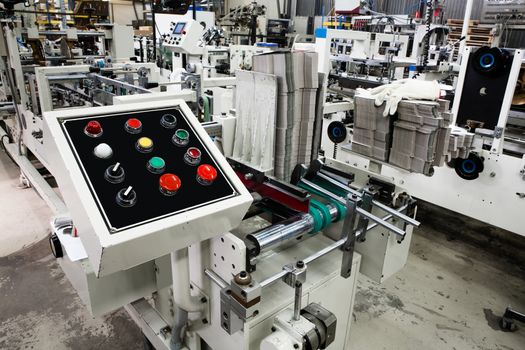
[{"x": 109, "y": 253}]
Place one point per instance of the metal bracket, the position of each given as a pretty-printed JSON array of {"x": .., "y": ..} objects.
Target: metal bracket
[
  {"x": 498, "y": 132},
  {"x": 348, "y": 229},
  {"x": 295, "y": 278},
  {"x": 366, "y": 204},
  {"x": 239, "y": 302}
]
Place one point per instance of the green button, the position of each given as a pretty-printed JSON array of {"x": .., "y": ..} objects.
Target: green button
[
  {"x": 156, "y": 164},
  {"x": 182, "y": 134}
]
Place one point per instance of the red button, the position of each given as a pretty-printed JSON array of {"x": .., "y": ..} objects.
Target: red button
[
  {"x": 194, "y": 152},
  {"x": 192, "y": 156},
  {"x": 169, "y": 184},
  {"x": 206, "y": 174},
  {"x": 134, "y": 126},
  {"x": 93, "y": 129}
]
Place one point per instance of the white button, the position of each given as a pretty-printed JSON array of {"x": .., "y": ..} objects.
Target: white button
[{"x": 103, "y": 151}]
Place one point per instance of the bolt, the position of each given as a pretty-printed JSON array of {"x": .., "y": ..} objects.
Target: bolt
[
  {"x": 299, "y": 264},
  {"x": 296, "y": 346},
  {"x": 204, "y": 321},
  {"x": 492, "y": 174},
  {"x": 204, "y": 300},
  {"x": 248, "y": 176},
  {"x": 273, "y": 329},
  {"x": 243, "y": 274}
]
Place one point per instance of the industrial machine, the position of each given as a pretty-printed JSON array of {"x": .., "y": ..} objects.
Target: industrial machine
[
  {"x": 197, "y": 247},
  {"x": 486, "y": 182}
]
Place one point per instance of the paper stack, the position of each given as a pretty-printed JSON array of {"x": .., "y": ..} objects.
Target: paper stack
[
  {"x": 297, "y": 79},
  {"x": 256, "y": 111},
  {"x": 420, "y": 136},
  {"x": 372, "y": 131}
]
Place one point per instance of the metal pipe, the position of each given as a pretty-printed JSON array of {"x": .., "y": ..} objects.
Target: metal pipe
[
  {"x": 361, "y": 211},
  {"x": 180, "y": 271},
  {"x": 272, "y": 279},
  {"x": 381, "y": 222},
  {"x": 378, "y": 204},
  {"x": 297, "y": 301},
  {"x": 285, "y": 231},
  {"x": 464, "y": 30},
  {"x": 215, "y": 278}
]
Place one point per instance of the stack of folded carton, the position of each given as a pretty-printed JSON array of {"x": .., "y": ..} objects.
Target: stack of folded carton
[
  {"x": 417, "y": 138},
  {"x": 297, "y": 79},
  {"x": 372, "y": 131}
]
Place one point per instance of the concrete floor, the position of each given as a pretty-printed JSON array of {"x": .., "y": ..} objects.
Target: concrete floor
[{"x": 448, "y": 297}]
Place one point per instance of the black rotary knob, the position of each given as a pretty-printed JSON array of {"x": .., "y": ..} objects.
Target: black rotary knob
[
  {"x": 127, "y": 197},
  {"x": 115, "y": 174}
]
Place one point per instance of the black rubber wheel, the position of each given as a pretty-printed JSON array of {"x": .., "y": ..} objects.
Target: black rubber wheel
[
  {"x": 337, "y": 132},
  {"x": 470, "y": 168},
  {"x": 490, "y": 61}
]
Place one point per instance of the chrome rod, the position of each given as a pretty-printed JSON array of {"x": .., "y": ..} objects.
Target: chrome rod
[
  {"x": 378, "y": 204},
  {"x": 381, "y": 222},
  {"x": 216, "y": 278},
  {"x": 285, "y": 231},
  {"x": 397, "y": 213},
  {"x": 272, "y": 279},
  {"x": 361, "y": 211}
]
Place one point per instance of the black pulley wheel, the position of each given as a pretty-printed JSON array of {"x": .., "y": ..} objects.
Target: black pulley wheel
[
  {"x": 337, "y": 132},
  {"x": 490, "y": 61},
  {"x": 470, "y": 168}
]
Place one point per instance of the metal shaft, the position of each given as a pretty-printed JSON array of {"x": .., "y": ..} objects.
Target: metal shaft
[
  {"x": 297, "y": 301},
  {"x": 363, "y": 212},
  {"x": 378, "y": 204},
  {"x": 286, "y": 231},
  {"x": 272, "y": 279}
]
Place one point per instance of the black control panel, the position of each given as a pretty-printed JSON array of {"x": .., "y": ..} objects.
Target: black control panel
[{"x": 143, "y": 166}]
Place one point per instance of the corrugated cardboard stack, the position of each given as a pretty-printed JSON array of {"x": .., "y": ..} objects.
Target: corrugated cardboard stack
[
  {"x": 372, "y": 131},
  {"x": 297, "y": 86},
  {"x": 417, "y": 138},
  {"x": 421, "y": 136}
]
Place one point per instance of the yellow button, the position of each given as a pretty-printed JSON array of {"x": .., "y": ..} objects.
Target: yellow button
[{"x": 144, "y": 144}]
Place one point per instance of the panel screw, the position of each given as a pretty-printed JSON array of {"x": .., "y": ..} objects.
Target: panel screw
[
  {"x": 299, "y": 264},
  {"x": 205, "y": 321},
  {"x": 296, "y": 346},
  {"x": 204, "y": 300}
]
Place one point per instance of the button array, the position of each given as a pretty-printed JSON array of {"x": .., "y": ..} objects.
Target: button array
[{"x": 169, "y": 184}]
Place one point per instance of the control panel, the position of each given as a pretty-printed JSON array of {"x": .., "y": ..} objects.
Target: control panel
[
  {"x": 140, "y": 176},
  {"x": 184, "y": 37}
]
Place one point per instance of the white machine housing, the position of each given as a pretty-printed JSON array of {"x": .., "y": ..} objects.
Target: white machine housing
[
  {"x": 184, "y": 37},
  {"x": 109, "y": 253}
]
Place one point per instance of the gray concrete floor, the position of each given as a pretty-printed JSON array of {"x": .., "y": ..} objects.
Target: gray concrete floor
[{"x": 449, "y": 296}]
